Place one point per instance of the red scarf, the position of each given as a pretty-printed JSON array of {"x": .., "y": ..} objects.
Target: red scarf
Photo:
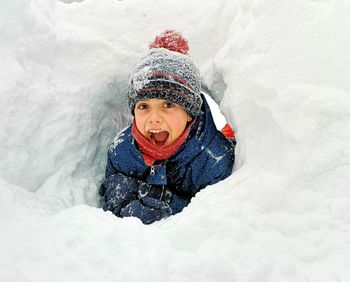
[{"x": 151, "y": 152}]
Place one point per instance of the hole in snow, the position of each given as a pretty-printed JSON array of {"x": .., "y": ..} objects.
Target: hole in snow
[{"x": 56, "y": 144}]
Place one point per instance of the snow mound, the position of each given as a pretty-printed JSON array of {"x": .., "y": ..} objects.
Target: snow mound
[{"x": 281, "y": 72}]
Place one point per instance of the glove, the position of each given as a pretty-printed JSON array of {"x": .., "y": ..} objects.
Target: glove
[
  {"x": 147, "y": 209},
  {"x": 117, "y": 191},
  {"x": 152, "y": 191}
]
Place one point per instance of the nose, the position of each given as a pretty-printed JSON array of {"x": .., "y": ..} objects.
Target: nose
[{"x": 155, "y": 117}]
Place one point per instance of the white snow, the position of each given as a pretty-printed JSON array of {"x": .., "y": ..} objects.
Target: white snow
[{"x": 281, "y": 69}]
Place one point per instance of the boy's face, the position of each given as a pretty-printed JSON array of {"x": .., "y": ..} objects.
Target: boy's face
[{"x": 161, "y": 121}]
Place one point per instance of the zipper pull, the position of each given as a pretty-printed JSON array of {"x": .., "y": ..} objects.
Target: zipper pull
[{"x": 153, "y": 172}]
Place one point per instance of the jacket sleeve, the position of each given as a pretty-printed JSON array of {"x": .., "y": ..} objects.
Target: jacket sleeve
[
  {"x": 215, "y": 164},
  {"x": 110, "y": 169}
]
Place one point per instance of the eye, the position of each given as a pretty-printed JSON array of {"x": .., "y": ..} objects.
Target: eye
[
  {"x": 142, "y": 106},
  {"x": 168, "y": 104}
]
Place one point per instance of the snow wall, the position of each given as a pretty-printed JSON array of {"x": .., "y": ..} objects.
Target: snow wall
[{"x": 281, "y": 70}]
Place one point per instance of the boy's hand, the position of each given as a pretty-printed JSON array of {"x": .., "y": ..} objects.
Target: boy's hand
[
  {"x": 147, "y": 209},
  {"x": 160, "y": 193},
  {"x": 125, "y": 196},
  {"x": 117, "y": 191}
]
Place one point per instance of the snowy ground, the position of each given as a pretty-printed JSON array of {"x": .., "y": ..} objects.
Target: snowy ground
[{"x": 282, "y": 70}]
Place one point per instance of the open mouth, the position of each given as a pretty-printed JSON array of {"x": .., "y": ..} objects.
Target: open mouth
[{"x": 158, "y": 137}]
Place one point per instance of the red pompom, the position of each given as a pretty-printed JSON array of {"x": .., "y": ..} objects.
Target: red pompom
[{"x": 171, "y": 40}]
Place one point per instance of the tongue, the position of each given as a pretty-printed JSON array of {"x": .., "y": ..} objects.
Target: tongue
[{"x": 161, "y": 137}]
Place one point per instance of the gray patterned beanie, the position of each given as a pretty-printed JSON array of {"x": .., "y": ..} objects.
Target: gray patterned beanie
[{"x": 167, "y": 72}]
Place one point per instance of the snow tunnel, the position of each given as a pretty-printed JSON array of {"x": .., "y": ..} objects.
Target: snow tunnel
[{"x": 280, "y": 71}]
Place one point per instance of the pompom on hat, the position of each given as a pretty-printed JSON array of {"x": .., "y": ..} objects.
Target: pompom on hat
[{"x": 167, "y": 72}]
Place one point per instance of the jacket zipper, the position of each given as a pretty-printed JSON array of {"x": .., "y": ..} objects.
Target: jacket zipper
[{"x": 153, "y": 172}]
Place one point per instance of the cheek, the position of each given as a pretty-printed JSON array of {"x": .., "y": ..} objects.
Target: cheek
[
  {"x": 178, "y": 125},
  {"x": 140, "y": 123}
]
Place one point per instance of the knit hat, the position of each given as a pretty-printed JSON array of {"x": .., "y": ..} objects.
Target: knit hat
[{"x": 167, "y": 72}]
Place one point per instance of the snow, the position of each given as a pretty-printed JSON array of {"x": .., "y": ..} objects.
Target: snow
[{"x": 281, "y": 70}]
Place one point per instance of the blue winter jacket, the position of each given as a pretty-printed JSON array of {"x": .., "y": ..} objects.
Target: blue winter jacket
[{"x": 132, "y": 188}]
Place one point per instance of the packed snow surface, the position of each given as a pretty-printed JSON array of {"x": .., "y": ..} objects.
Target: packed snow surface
[{"x": 281, "y": 70}]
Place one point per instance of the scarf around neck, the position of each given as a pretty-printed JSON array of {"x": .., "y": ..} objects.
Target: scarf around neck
[{"x": 152, "y": 152}]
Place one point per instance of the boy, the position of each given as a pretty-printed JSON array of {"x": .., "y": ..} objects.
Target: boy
[{"x": 172, "y": 149}]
